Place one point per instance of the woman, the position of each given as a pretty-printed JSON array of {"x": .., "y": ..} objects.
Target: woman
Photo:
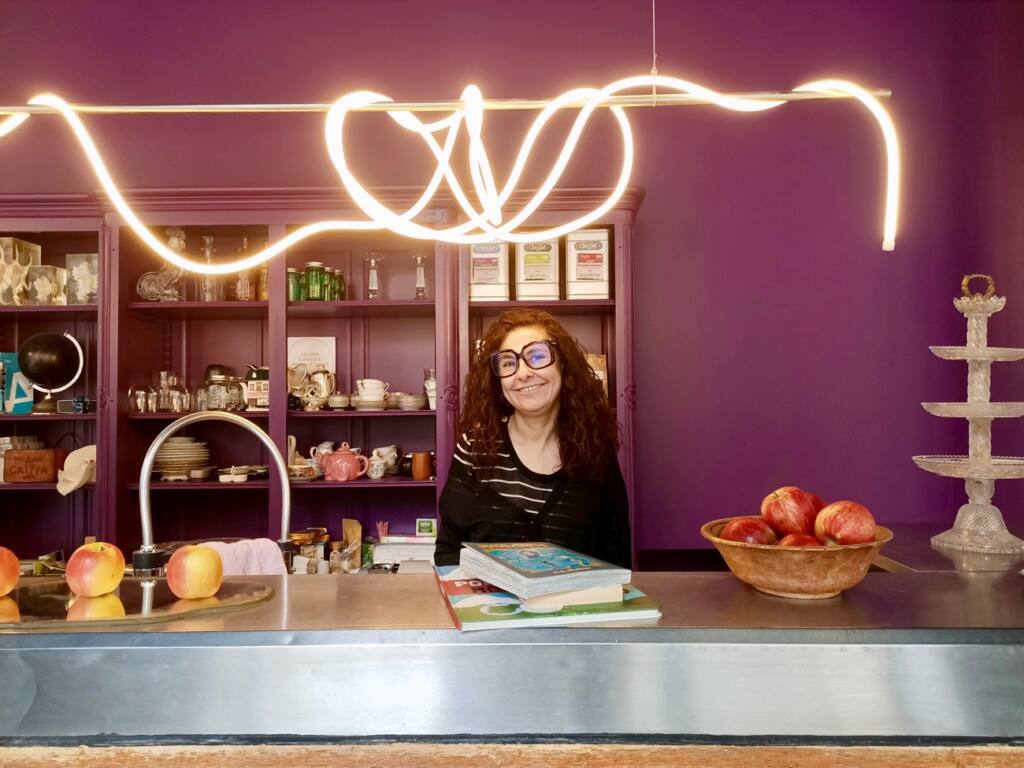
[{"x": 536, "y": 460}]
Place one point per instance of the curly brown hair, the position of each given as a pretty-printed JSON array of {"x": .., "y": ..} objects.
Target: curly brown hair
[{"x": 588, "y": 434}]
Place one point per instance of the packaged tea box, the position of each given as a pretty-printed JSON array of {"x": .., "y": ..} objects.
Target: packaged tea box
[
  {"x": 537, "y": 270},
  {"x": 488, "y": 272},
  {"x": 83, "y": 285},
  {"x": 587, "y": 265}
]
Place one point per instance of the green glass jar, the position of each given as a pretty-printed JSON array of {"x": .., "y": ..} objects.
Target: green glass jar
[
  {"x": 294, "y": 284},
  {"x": 332, "y": 285},
  {"x": 342, "y": 289},
  {"x": 316, "y": 281}
]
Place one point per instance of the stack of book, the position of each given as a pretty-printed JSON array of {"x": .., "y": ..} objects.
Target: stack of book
[
  {"x": 397, "y": 548},
  {"x": 535, "y": 584}
]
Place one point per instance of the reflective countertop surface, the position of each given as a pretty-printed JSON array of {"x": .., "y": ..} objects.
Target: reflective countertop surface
[{"x": 717, "y": 601}]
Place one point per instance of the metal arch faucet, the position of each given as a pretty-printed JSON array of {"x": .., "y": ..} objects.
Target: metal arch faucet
[{"x": 146, "y": 558}]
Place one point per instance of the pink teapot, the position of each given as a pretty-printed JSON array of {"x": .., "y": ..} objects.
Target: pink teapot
[{"x": 342, "y": 465}]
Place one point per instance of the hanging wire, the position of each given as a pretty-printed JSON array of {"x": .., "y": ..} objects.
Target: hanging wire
[{"x": 654, "y": 52}]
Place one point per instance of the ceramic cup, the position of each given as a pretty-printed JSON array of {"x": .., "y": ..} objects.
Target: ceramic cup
[
  {"x": 337, "y": 401},
  {"x": 372, "y": 389},
  {"x": 388, "y": 453},
  {"x": 421, "y": 465},
  {"x": 324, "y": 448},
  {"x": 377, "y": 469}
]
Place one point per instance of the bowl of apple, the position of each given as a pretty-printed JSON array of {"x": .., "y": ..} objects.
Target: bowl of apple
[{"x": 799, "y": 546}]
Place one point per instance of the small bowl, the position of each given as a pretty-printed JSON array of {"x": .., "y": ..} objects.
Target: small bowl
[{"x": 802, "y": 572}]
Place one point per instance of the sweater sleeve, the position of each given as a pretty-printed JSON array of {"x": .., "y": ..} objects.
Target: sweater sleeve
[
  {"x": 458, "y": 491},
  {"x": 614, "y": 539}
]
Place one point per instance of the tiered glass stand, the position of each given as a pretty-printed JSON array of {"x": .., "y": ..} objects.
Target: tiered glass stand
[{"x": 979, "y": 525}]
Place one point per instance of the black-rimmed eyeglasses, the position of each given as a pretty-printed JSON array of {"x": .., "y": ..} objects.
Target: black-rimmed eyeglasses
[{"x": 537, "y": 355}]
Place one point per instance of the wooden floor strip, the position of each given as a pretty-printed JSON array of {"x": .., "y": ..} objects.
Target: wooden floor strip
[{"x": 512, "y": 756}]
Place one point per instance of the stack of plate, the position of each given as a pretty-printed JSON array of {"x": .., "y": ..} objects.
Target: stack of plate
[
  {"x": 179, "y": 456},
  {"x": 366, "y": 404}
]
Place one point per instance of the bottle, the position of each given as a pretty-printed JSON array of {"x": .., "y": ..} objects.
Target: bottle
[
  {"x": 208, "y": 285},
  {"x": 312, "y": 565},
  {"x": 334, "y": 561},
  {"x": 342, "y": 289}
]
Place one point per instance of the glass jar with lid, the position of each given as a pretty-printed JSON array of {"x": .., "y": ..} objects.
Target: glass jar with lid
[
  {"x": 342, "y": 289},
  {"x": 294, "y": 284},
  {"x": 236, "y": 394},
  {"x": 316, "y": 281},
  {"x": 217, "y": 392}
]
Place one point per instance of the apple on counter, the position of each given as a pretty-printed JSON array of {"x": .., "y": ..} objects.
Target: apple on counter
[
  {"x": 10, "y": 571},
  {"x": 194, "y": 571},
  {"x": 95, "y": 569}
]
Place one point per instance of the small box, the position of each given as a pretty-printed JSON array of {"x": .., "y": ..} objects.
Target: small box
[
  {"x": 83, "y": 283},
  {"x": 257, "y": 394},
  {"x": 33, "y": 466},
  {"x": 426, "y": 526},
  {"x": 537, "y": 270},
  {"x": 16, "y": 256},
  {"x": 488, "y": 272},
  {"x": 587, "y": 270},
  {"x": 43, "y": 285}
]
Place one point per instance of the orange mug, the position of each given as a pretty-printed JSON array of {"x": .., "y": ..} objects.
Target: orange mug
[{"x": 421, "y": 465}]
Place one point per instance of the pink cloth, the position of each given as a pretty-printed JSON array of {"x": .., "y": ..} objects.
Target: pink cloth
[{"x": 250, "y": 557}]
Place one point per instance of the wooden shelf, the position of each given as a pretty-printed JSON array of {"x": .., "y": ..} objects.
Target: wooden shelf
[
  {"x": 173, "y": 416},
  {"x": 207, "y": 485},
  {"x": 362, "y": 308},
  {"x": 202, "y": 485},
  {"x": 347, "y": 414},
  {"x": 198, "y": 310},
  {"x": 36, "y": 313},
  {"x": 39, "y": 487},
  {"x": 41, "y": 417},
  {"x": 560, "y": 307},
  {"x": 362, "y": 482}
]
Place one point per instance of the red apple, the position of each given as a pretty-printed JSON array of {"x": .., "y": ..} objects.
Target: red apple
[
  {"x": 194, "y": 571},
  {"x": 107, "y": 606},
  {"x": 95, "y": 569},
  {"x": 845, "y": 522},
  {"x": 799, "y": 540},
  {"x": 752, "y": 530},
  {"x": 789, "y": 510},
  {"x": 9, "y": 571},
  {"x": 9, "y": 612},
  {"x": 816, "y": 501}
]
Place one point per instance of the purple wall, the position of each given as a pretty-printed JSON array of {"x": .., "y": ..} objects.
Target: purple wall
[{"x": 776, "y": 342}]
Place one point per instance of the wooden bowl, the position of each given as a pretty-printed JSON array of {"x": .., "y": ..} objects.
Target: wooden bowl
[{"x": 800, "y": 572}]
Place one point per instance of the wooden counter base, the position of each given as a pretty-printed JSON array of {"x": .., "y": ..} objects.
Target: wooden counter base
[{"x": 477, "y": 755}]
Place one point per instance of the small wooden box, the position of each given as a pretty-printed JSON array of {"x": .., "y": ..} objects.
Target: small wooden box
[{"x": 33, "y": 466}]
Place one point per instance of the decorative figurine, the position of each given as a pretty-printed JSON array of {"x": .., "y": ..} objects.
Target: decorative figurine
[
  {"x": 979, "y": 526},
  {"x": 421, "y": 275},
  {"x": 164, "y": 284},
  {"x": 374, "y": 258}
]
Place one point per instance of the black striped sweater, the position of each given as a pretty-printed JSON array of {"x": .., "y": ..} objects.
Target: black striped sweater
[{"x": 510, "y": 502}]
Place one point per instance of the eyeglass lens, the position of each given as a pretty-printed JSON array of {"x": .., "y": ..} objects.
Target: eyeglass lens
[{"x": 536, "y": 356}]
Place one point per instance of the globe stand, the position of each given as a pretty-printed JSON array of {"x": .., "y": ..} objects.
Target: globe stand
[
  {"x": 43, "y": 359},
  {"x": 46, "y": 405}
]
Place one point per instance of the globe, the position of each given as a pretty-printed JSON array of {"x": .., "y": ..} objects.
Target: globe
[{"x": 49, "y": 360}]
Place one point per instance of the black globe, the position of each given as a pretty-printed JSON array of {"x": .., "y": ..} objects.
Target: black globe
[{"x": 48, "y": 359}]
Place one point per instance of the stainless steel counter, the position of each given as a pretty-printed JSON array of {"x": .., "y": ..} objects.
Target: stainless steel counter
[{"x": 901, "y": 655}]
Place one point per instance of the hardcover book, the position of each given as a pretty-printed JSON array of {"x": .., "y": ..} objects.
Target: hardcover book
[
  {"x": 475, "y": 604},
  {"x": 531, "y": 569}
]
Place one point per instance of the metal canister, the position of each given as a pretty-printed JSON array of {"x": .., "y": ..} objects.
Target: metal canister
[
  {"x": 294, "y": 284},
  {"x": 316, "y": 281}
]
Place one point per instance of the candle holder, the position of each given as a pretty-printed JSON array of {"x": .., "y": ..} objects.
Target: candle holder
[
  {"x": 373, "y": 259},
  {"x": 979, "y": 526},
  {"x": 421, "y": 274}
]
